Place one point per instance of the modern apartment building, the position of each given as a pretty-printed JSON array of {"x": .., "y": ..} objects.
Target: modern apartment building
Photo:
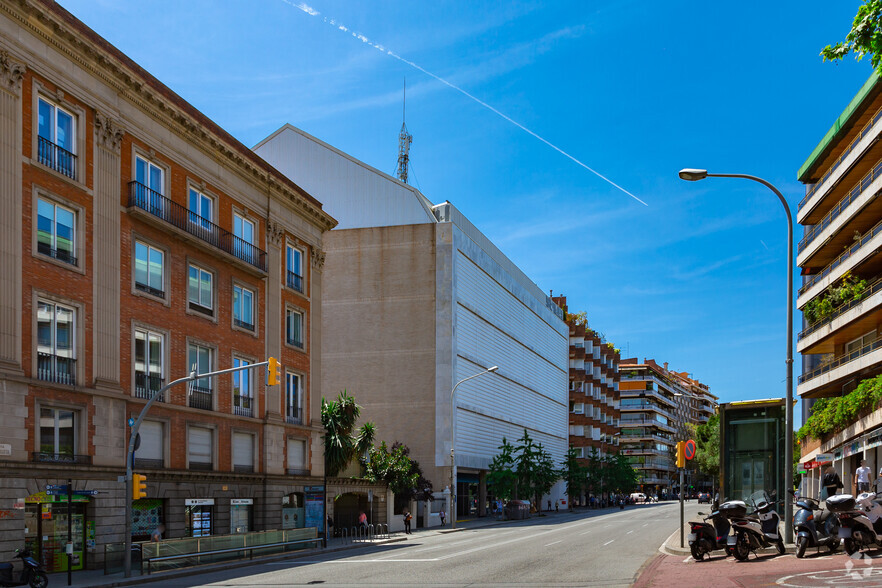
[
  {"x": 139, "y": 241},
  {"x": 656, "y": 405},
  {"x": 841, "y": 262},
  {"x": 594, "y": 389},
  {"x": 417, "y": 299}
]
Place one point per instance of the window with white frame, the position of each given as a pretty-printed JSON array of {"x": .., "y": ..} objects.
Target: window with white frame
[
  {"x": 294, "y": 267},
  {"x": 148, "y": 363},
  {"x": 58, "y": 434},
  {"x": 200, "y": 293},
  {"x": 200, "y": 207},
  {"x": 243, "y": 398},
  {"x": 243, "y": 452},
  {"x": 860, "y": 342},
  {"x": 293, "y": 399},
  {"x": 56, "y": 231},
  {"x": 200, "y": 359},
  {"x": 56, "y": 138},
  {"x": 149, "y": 263},
  {"x": 149, "y": 187},
  {"x": 56, "y": 342},
  {"x": 243, "y": 244},
  {"x": 578, "y": 408},
  {"x": 297, "y": 457},
  {"x": 151, "y": 452},
  {"x": 243, "y": 307},
  {"x": 200, "y": 445},
  {"x": 294, "y": 327}
]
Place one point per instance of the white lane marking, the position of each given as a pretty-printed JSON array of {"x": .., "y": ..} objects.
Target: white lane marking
[
  {"x": 553, "y": 543},
  {"x": 645, "y": 524},
  {"x": 629, "y": 532},
  {"x": 585, "y": 533},
  {"x": 608, "y": 542}
]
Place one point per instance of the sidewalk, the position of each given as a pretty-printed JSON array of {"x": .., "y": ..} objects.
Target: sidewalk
[{"x": 97, "y": 578}]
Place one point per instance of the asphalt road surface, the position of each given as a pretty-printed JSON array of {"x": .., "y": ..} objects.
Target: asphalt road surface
[{"x": 602, "y": 548}]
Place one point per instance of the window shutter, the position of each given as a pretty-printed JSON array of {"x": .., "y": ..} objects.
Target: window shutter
[
  {"x": 243, "y": 449},
  {"x": 199, "y": 445},
  {"x": 151, "y": 441},
  {"x": 296, "y": 453}
]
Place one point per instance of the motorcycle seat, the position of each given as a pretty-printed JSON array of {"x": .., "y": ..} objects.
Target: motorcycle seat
[{"x": 5, "y": 566}]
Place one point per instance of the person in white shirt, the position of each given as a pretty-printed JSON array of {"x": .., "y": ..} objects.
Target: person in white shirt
[{"x": 862, "y": 477}]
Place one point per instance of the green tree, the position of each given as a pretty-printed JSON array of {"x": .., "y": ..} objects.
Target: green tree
[
  {"x": 545, "y": 475},
  {"x": 342, "y": 445},
  {"x": 623, "y": 478},
  {"x": 574, "y": 474},
  {"x": 707, "y": 446},
  {"x": 534, "y": 468},
  {"x": 399, "y": 471},
  {"x": 501, "y": 477},
  {"x": 865, "y": 37}
]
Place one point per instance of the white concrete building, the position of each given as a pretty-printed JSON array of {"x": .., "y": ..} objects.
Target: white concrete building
[{"x": 416, "y": 298}]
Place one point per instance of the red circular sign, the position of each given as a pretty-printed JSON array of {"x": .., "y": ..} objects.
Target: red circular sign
[{"x": 689, "y": 449}]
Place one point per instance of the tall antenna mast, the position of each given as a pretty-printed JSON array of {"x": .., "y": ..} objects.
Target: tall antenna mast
[{"x": 404, "y": 141}]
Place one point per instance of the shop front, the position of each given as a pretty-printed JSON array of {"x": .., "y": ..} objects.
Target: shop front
[
  {"x": 241, "y": 515},
  {"x": 48, "y": 520},
  {"x": 199, "y": 516}
]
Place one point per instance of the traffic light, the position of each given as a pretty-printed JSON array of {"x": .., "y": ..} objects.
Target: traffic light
[
  {"x": 273, "y": 368},
  {"x": 139, "y": 486},
  {"x": 681, "y": 454}
]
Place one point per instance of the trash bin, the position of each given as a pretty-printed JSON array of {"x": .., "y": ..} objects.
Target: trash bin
[{"x": 517, "y": 509}]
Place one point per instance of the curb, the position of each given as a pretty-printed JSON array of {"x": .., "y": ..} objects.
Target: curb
[{"x": 669, "y": 547}]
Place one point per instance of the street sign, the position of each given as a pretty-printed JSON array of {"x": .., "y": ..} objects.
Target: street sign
[
  {"x": 131, "y": 422},
  {"x": 689, "y": 449},
  {"x": 56, "y": 492},
  {"x": 56, "y": 487},
  {"x": 86, "y": 492},
  {"x": 313, "y": 488}
]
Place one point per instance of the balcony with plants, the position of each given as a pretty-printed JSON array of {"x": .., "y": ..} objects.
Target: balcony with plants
[
  {"x": 839, "y": 312},
  {"x": 832, "y": 415},
  {"x": 827, "y": 378}
]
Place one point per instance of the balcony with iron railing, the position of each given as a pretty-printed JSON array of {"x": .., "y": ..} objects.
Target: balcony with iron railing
[
  {"x": 293, "y": 416},
  {"x": 155, "y": 204},
  {"x": 201, "y": 466},
  {"x": 147, "y": 385},
  {"x": 56, "y": 158},
  {"x": 243, "y": 468},
  {"x": 298, "y": 471},
  {"x": 149, "y": 290},
  {"x": 644, "y": 406},
  {"x": 61, "y": 458},
  {"x": 145, "y": 463},
  {"x": 841, "y": 310},
  {"x": 295, "y": 281},
  {"x": 243, "y": 325},
  {"x": 62, "y": 255},
  {"x": 623, "y": 422},
  {"x": 200, "y": 398},
  {"x": 56, "y": 369},
  {"x": 242, "y": 405},
  {"x": 842, "y": 360},
  {"x": 835, "y": 165}
]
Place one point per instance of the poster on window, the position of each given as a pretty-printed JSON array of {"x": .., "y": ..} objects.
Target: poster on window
[{"x": 313, "y": 509}]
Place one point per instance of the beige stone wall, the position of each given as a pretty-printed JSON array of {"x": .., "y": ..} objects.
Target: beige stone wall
[{"x": 378, "y": 323}]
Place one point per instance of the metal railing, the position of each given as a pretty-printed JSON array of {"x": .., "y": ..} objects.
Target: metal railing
[
  {"x": 202, "y": 466},
  {"x": 297, "y": 471},
  {"x": 295, "y": 281},
  {"x": 142, "y": 197},
  {"x": 200, "y": 398},
  {"x": 841, "y": 360},
  {"x": 57, "y": 158},
  {"x": 243, "y": 469},
  {"x": 834, "y": 212},
  {"x": 150, "y": 290},
  {"x": 57, "y": 369},
  {"x": 243, "y": 325},
  {"x": 845, "y": 153},
  {"x": 242, "y": 405},
  {"x": 65, "y": 458},
  {"x": 294, "y": 416},
  {"x": 842, "y": 257},
  {"x": 876, "y": 287},
  {"x": 146, "y": 386},
  {"x": 59, "y": 254},
  {"x": 143, "y": 462}
]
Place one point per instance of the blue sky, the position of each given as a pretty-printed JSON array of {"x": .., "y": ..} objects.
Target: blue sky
[{"x": 634, "y": 89}]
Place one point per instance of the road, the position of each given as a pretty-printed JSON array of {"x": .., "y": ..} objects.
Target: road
[{"x": 605, "y": 548}]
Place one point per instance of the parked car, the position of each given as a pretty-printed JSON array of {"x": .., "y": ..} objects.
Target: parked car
[
  {"x": 704, "y": 497},
  {"x": 638, "y": 497}
]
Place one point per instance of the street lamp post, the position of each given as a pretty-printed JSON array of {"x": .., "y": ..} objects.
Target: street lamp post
[
  {"x": 693, "y": 175},
  {"x": 453, "y": 441}
]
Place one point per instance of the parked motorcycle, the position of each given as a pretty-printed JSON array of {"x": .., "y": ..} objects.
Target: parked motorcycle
[
  {"x": 32, "y": 573},
  {"x": 706, "y": 537},
  {"x": 814, "y": 530},
  {"x": 754, "y": 531},
  {"x": 860, "y": 520}
]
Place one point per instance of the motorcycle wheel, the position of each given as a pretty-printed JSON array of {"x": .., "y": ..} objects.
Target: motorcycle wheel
[
  {"x": 39, "y": 579},
  {"x": 851, "y": 546},
  {"x": 697, "y": 553},
  {"x": 741, "y": 551},
  {"x": 780, "y": 546},
  {"x": 801, "y": 544},
  {"x": 833, "y": 546}
]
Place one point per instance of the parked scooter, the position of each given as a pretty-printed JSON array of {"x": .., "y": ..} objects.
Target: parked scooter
[
  {"x": 32, "y": 573},
  {"x": 860, "y": 520},
  {"x": 751, "y": 532},
  {"x": 814, "y": 530},
  {"x": 706, "y": 537}
]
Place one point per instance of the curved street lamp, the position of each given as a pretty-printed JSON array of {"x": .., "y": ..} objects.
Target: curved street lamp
[
  {"x": 693, "y": 175},
  {"x": 453, "y": 441}
]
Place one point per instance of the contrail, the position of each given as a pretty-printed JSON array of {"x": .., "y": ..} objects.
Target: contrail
[{"x": 313, "y": 12}]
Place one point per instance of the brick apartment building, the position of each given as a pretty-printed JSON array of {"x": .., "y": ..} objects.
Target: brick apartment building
[
  {"x": 594, "y": 389},
  {"x": 840, "y": 255},
  {"x": 139, "y": 239},
  {"x": 656, "y": 405}
]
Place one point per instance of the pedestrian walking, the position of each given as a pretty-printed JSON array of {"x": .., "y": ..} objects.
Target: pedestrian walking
[
  {"x": 557, "y": 506},
  {"x": 407, "y": 518},
  {"x": 443, "y": 515},
  {"x": 830, "y": 483},
  {"x": 362, "y": 520},
  {"x": 862, "y": 477},
  {"x": 156, "y": 535}
]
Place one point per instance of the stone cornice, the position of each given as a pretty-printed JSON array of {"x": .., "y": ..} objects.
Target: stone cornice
[{"x": 67, "y": 35}]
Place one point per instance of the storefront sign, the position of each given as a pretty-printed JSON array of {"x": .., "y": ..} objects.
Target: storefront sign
[
  {"x": 46, "y": 512},
  {"x": 199, "y": 501},
  {"x": 19, "y": 504},
  {"x": 823, "y": 458},
  {"x": 5, "y": 449},
  {"x": 851, "y": 448},
  {"x": 237, "y": 501}
]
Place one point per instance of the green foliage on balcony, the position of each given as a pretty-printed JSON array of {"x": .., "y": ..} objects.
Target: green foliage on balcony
[
  {"x": 831, "y": 415},
  {"x": 824, "y": 306}
]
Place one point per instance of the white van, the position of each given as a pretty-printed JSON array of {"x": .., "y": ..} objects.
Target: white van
[{"x": 638, "y": 497}]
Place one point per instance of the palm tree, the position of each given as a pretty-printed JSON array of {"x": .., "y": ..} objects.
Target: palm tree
[{"x": 341, "y": 445}]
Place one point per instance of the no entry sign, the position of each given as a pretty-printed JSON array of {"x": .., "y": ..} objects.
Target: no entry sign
[{"x": 689, "y": 449}]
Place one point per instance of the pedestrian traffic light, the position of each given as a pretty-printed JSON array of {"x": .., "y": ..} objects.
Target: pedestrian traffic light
[
  {"x": 681, "y": 454},
  {"x": 273, "y": 367},
  {"x": 139, "y": 486}
]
